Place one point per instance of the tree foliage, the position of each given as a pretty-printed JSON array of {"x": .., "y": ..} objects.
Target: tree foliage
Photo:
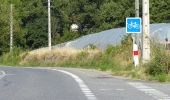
[{"x": 30, "y": 19}]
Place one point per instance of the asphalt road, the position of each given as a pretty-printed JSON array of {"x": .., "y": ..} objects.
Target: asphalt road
[{"x": 74, "y": 84}]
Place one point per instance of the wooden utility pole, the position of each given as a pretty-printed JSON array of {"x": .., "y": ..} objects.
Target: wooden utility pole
[
  {"x": 49, "y": 25},
  {"x": 146, "y": 33},
  {"x": 11, "y": 28}
]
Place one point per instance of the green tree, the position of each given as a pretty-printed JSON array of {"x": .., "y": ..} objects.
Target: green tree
[
  {"x": 160, "y": 11},
  {"x": 4, "y": 26},
  {"x": 30, "y": 19},
  {"x": 34, "y": 22}
]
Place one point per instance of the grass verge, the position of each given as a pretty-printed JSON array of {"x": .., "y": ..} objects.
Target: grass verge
[{"x": 115, "y": 59}]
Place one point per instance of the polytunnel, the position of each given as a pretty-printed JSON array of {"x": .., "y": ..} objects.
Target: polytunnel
[{"x": 101, "y": 40}]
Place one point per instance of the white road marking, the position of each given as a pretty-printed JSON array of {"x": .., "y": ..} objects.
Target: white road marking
[
  {"x": 84, "y": 88},
  {"x": 120, "y": 89},
  {"x": 158, "y": 95},
  {"x": 2, "y": 75},
  {"x": 111, "y": 89}
]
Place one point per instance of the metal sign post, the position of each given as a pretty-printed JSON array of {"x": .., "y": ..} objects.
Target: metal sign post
[{"x": 133, "y": 25}]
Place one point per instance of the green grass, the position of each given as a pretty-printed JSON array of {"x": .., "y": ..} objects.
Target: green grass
[
  {"x": 13, "y": 58},
  {"x": 116, "y": 59}
]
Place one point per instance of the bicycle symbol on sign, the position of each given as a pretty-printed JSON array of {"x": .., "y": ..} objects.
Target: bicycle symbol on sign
[{"x": 133, "y": 25}]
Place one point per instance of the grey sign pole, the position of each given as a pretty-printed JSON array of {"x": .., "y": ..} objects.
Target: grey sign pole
[
  {"x": 137, "y": 15},
  {"x": 137, "y": 8},
  {"x": 136, "y": 36}
]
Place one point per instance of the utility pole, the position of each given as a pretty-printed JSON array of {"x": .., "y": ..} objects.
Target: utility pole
[
  {"x": 49, "y": 24},
  {"x": 146, "y": 32},
  {"x": 11, "y": 28}
]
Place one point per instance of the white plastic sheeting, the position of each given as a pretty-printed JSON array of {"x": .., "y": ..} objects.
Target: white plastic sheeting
[{"x": 114, "y": 36}]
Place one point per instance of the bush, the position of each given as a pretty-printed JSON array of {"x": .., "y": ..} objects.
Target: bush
[
  {"x": 162, "y": 77},
  {"x": 160, "y": 62},
  {"x": 112, "y": 50},
  {"x": 156, "y": 68}
]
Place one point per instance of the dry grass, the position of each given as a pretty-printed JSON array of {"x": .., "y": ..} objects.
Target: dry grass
[
  {"x": 58, "y": 55},
  {"x": 124, "y": 58}
]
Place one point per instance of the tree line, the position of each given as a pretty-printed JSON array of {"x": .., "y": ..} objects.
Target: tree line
[{"x": 30, "y": 19}]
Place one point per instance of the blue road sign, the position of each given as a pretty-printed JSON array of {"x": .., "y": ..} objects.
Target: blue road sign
[{"x": 133, "y": 25}]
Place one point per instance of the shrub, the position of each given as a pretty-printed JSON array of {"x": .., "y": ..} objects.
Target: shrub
[
  {"x": 160, "y": 62},
  {"x": 112, "y": 50},
  {"x": 156, "y": 68},
  {"x": 161, "y": 77}
]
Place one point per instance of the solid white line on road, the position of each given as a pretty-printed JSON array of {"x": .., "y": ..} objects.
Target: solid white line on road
[
  {"x": 84, "y": 88},
  {"x": 2, "y": 75},
  {"x": 158, "y": 95}
]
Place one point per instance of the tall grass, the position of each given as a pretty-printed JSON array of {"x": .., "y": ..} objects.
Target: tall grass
[
  {"x": 58, "y": 56},
  {"x": 114, "y": 58},
  {"x": 12, "y": 58},
  {"x": 158, "y": 68}
]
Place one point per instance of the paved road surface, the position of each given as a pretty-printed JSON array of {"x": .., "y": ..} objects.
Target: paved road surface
[{"x": 74, "y": 84}]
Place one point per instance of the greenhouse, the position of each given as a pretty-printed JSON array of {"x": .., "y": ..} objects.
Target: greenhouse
[{"x": 158, "y": 32}]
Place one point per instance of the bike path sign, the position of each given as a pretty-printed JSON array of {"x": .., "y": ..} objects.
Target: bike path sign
[{"x": 133, "y": 25}]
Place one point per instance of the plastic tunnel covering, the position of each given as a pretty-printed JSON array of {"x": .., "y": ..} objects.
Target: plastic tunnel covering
[{"x": 114, "y": 36}]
